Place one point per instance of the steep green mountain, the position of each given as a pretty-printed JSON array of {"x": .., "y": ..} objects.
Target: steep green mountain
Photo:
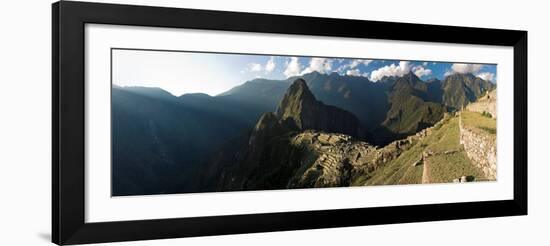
[
  {"x": 461, "y": 89},
  {"x": 354, "y": 94},
  {"x": 412, "y": 107},
  {"x": 285, "y": 144},
  {"x": 366, "y": 100},
  {"x": 434, "y": 91},
  {"x": 300, "y": 110}
]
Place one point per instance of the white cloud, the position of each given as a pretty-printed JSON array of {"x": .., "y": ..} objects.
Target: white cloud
[
  {"x": 486, "y": 76},
  {"x": 356, "y": 72},
  {"x": 293, "y": 67},
  {"x": 466, "y": 68},
  {"x": 270, "y": 65},
  {"x": 420, "y": 71},
  {"x": 353, "y": 72},
  {"x": 357, "y": 62},
  {"x": 321, "y": 65},
  {"x": 403, "y": 68},
  {"x": 257, "y": 67},
  {"x": 254, "y": 67},
  {"x": 353, "y": 64}
]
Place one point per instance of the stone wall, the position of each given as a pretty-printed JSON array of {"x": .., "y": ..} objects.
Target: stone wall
[
  {"x": 481, "y": 149},
  {"x": 425, "y": 169},
  {"x": 486, "y": 103}
]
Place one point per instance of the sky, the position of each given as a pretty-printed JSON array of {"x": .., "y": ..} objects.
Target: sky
[{"x": 214, "y": 73}]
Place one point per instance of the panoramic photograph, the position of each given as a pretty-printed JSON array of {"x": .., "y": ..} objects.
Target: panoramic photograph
[{"x": 190, "y": 122}]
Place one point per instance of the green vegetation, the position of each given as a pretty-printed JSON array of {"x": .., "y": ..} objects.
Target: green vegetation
[
  {"x": 196, "y": 143},
  {"x": 461, "y": 89},
  {"x": 487, "y": 114},
  {"x": 410, "y": 109},
  {"x": 445, "y": 168},
  {"x": 399, "y": 168},
  {"x": 445, "y": 160},
  {"x": 474, "y": 120},
  {"x": 413, "y": 175}
]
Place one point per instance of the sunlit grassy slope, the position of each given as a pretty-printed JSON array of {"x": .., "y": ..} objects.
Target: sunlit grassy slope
[
  {"x": 446, "y": 160},
  {"x": 479, "y": 121}
]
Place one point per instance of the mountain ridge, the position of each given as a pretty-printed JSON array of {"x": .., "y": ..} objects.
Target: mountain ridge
[
  {"x": 283, "y": 144},
  {"x": 156, "y": 134},
  {"x": 303, "y": 111},
  {"x": 372, "y": 102}
]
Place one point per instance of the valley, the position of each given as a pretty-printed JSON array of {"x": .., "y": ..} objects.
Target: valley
[{"x": 316, "y": 130}]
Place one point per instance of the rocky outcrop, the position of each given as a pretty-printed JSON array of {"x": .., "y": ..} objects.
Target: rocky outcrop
[
  {"x": 481, "y": 149},
  {"x": 331, "y": 160},
  {"x": 485, "y": 104},
  {"x": 334, "y": 160}
]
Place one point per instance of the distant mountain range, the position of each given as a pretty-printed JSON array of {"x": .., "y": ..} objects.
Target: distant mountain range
[
  {"x": 389, "y": 109},
  {"x": 168, "y": 144}
]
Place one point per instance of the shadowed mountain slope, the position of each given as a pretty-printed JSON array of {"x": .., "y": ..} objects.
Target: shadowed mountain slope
[
  {"x": 163, "y": 143},
  {"x": 299, "y": 109},
  {"x": 158, "y": 140},
  {"x": 411, "y": 107},
  {"x": 285, "y": 145}
]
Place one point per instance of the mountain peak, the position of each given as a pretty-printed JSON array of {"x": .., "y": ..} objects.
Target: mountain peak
[
  {"x": 462, "y": 75},
  {"x": 153, "y": 92},
  {"x": 300, "y": 110},
  {"x": 299, "y": 89},
  {"x": 295, "y": 99},
  {"x": 195, "y": 95},
  {"x": 299, "y": 84},
  {"x": 461, "y": 89},
  {"x": 411, "y": 77}
]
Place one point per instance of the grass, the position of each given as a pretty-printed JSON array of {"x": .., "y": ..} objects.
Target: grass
[
  {"x": 446, "y": 138},
  {"x": 396, "y": 168},
  {"x": 442, "y": 167},
  {"x": 445, "y": 168},
  {"x": 413, "y": 175},
  {"x": 479, "y": 121}
]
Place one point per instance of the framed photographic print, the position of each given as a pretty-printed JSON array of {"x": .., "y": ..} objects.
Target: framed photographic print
[{"x": 175, "y": 122}]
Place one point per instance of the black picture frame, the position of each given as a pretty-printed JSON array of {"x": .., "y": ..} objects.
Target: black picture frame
[{"x": 68, "y": 118}]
